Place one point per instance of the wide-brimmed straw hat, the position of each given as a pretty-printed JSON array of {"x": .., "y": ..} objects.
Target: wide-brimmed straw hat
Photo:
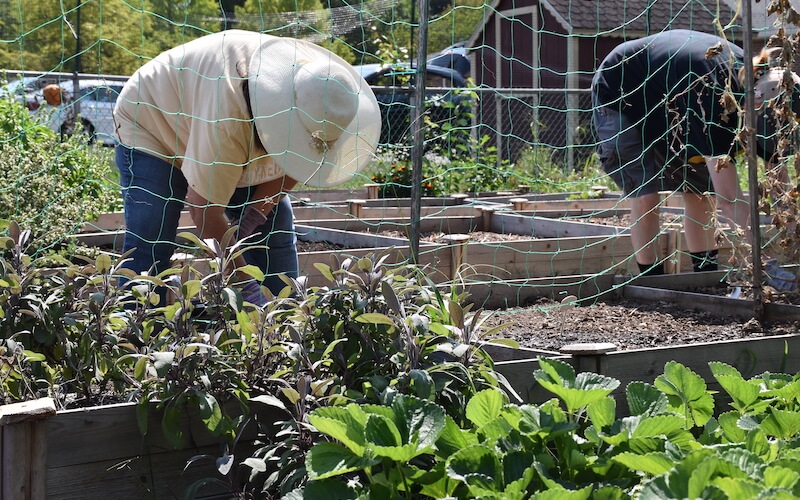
[{"x": 314, "y": 113}]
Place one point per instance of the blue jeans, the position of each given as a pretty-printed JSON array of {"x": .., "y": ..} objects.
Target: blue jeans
[{"x": 153, "y": 193}]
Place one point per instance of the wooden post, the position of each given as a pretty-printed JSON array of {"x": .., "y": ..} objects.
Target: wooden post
[
  {"x": 372, "y": 191},
  {"x": 458, "y": 252},
  {"x": 589, "y": 357},
  {"x": 519, "y": 203},
  {"x": 524, "y": 188},
  {"x": 354, "y": 207},
  {"x": 486, "y": 218},
  {"x": 459, "y": 198},
  {"x": 23, "y": 454}
]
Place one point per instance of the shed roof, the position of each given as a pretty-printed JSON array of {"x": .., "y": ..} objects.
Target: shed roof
[{"x": 616, "y": 17}]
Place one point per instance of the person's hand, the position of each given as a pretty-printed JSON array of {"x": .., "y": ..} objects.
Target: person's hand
[
  {"x": 778, "y": 278},
  {"x": 251, "y": 292}
]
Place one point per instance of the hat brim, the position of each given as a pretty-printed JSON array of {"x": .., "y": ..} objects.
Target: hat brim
[{"x": 277, "y": 121}]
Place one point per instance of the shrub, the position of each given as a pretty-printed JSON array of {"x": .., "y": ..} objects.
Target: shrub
[{"x": 49, "y": 185}]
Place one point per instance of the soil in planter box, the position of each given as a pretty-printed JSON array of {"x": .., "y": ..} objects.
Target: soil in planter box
[
  {"x": 626, "y": 323},
  {"x": 474, "y": 236},
  {"x": 317, "y": 246}
]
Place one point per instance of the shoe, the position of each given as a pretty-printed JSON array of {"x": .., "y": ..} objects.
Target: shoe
[{"x": 778, "y": 278}]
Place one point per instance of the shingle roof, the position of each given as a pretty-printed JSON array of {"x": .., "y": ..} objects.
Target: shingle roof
[{"x": 614, "y": 17}]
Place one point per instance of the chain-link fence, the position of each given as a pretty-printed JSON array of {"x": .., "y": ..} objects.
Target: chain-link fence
[{"x": 515, "y": 120}]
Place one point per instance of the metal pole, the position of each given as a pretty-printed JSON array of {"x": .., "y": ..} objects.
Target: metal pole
[
  {"x": 417, "y": 114},
  {"x": 77, "y": 65},
  {"x": 752, "y": 163}
]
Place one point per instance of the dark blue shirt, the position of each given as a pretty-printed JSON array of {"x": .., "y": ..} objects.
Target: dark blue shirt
[{"x": 671, "y": 84}]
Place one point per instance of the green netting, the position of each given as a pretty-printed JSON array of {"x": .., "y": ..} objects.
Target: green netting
[{"x": 507, "y": 153}]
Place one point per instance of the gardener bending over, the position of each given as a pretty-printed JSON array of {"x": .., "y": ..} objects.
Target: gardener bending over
[
  {"x": 666, "y": 112},
  {"x": 227, "y": 124}
]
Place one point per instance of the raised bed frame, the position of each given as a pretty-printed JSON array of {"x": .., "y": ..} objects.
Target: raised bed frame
[{"x": 87, "y": 453}]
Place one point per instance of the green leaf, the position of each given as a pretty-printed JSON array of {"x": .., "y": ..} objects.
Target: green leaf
[
  {"x": 171, "y": 424},
  {"x": 192, "y": 288},
  {"x": 325, "y": 270},
  {"x": 743, "y": 392},
  {"x": 687, "y": 393},
  {"x": 332, "y": 459},
  {"x": 210, "y": 412},
  {"x": 375, "y": 318},
  {"x": 650, "y": 463},
  {"x": 453, "y": 438},
  {"x": 33, "y": 357},
  {"x": 738, "y": 488},
  {"x": 776, "y": 476},
  {"x": 602, "y": 412},
  {"x": 103, "y": 263},
  {"x": 162, "y": 362},
  {"x": 484, "y": 407},
  {"x": 560, "y": 493},
  {"x": 269, "y": 401},
  {"x": 644, "y": 398},
  {"x": 657, "y": 426},
  {"x": 418, "y": 420},
  {"x": 780, "y": 423},
  {"x": 381, "y": 431},
  {"x": 391, "y": 299},
  {"x": 575, "y": 391},
  {"x": 186, "y": 235},
  {"x": 476, "y": 459},
  {"x": 254, "y": 272},
  {"x": 344, "y": 424}
]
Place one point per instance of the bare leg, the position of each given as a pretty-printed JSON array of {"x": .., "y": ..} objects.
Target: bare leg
[
  {"x": 645, "y": 227},
  {"x": 730, "y": 198},
  {"x": 698, "y": 222}
]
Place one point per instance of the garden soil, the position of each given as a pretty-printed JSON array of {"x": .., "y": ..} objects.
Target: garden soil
[{"x": 628, "y": 324}]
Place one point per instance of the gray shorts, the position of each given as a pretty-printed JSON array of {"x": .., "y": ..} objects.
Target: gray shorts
[{"x": 639, "y": 168}]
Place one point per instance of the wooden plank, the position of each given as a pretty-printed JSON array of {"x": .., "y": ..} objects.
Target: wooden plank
[
  {"x": 551, "y": 257},
  {"x": 778, "y": 354},
  {"x": 154, "y": 475},
  {"x": 313, "y": 213},
  {"x": 501, "y": 352},
  {"x": 17, "y": 462},
  {"x": 545, "y": 227},
  {"x": 586, "y": 205},
  {"x": 27, "y": 411},
  {"x": 348, "y": 239},
  {"x": 445, "y": 224},
  {"x": 724, "y": 306},
  {"x": 750, "y": 356},
  {"x": 503, "y": 294}
]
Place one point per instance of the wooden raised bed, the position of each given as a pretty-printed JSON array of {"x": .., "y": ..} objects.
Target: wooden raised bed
[{"x": 99, "y": 453}]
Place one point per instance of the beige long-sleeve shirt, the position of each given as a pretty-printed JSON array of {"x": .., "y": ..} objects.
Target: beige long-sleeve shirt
[{"x": 188, "y": 107}]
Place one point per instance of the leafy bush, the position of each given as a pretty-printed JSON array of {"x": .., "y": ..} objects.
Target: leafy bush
[
  {"x": 50, "y": 185},
  {"x": 87, "y": 334},
  {"x": 575, "y": 446}
]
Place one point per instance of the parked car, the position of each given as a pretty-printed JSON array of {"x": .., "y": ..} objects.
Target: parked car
[
  {"x": 392, "y": 84},
  {"x": 90, "y": 110},
  {"x": 27, "y": 90}
]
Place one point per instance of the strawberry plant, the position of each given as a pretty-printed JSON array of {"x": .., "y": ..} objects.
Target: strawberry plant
[{"x": 575, "y": 446}]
